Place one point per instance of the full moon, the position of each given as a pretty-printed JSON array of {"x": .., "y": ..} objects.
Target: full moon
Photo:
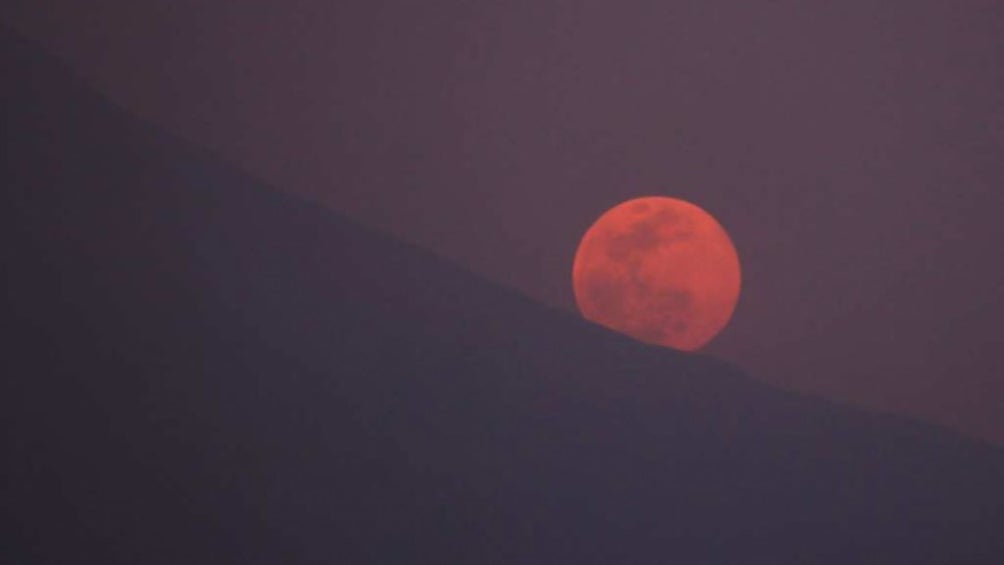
[{"x": 658, "y": 269}]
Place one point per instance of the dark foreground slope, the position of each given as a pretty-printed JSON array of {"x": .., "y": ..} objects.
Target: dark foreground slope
[{"x": 204, "y": 370}]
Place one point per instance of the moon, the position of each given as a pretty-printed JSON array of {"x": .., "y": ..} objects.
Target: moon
[{"x": 658, "y": 269}]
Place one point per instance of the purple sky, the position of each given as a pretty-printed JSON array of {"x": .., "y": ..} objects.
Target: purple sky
[{"x": 852, "y": 149}]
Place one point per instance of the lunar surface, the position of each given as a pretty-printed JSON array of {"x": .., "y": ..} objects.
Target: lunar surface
[{"x": 659, "y": 269}]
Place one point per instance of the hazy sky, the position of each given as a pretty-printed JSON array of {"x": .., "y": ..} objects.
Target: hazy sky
[{"x": 852, "y": 149}]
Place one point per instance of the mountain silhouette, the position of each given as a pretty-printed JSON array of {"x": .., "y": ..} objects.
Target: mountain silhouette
[{"x": 202, "y": 369}]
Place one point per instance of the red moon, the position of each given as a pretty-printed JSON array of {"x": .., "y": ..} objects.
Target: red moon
[{"x": 658, "y": 269}]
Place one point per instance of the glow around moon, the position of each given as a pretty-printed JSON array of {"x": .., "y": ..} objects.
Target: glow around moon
[{"x": 659, "y": 269}]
